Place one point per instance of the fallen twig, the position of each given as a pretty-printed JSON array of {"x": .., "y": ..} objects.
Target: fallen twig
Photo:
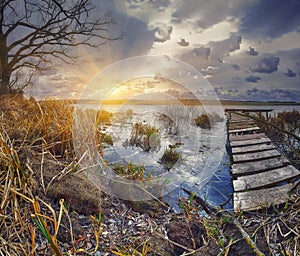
[{"x": 210, "y": 209}]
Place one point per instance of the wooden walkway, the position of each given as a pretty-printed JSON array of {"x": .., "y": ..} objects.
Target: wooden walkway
[{"x": 261, "y": 175}]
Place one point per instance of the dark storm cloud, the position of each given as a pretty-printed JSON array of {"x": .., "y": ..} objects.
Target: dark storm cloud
[
  {"x": 208, "y": 12},
  {"x": 258, "y": 94},
  {"x": 271, "y": 18},
  {"x": 252, "y": 51},
  {"x": 236, "y": 80},
  {"x": 267, "y": 65},
  {"x": 272, "y": 94},
  {"x": 252, "y": 79},
  {"x": 222, "y": 49},
  {"x": 162, "y": 32},
  {"x": 290, "y": 73},
  {"x": 183, "y": 42},
  {"x": 219, "y": 60},
  {"x": 201, "y": 52},
  {"x": 138, "y": 39},
  {"x": 235, "y": 67}
]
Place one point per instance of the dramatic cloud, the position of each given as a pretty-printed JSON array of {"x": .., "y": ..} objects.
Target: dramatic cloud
[
  {"x": 235, "y": 67},
  {"x": 271, "y": 18},
  {"x": 162, "y": 32},
  {"x": 272, "y": 94},
  {"x": 267, "y": 65},
  {"x": 255, "y": 94},
  {"x": 252, "y": 79},
  {"x": 220, "y": 60},
  {"x": 209, "y": 71},
  {"x": 138, "y": 39},
  {"x": 236, "y": 80},
  {"x": 183, "y": 42},
  {"x": 202, "y": 52},
  {"x": 223, "y": 48},
  {"x": 198, "y": 57},
  {"x": 207, "y": 12},
  {"x": 290, "y": 73},
  {"x": 252, "y": 51},
  {"x": 233, "y": 43},
  {"x": 159, "y": 5}
]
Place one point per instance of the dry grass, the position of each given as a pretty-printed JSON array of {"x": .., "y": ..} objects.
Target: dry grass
[
  {"x": 29, "y": 225},
  {"x": 16, "y": 232}
]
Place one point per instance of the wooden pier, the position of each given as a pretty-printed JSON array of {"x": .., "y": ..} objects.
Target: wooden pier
[{"x": 261, "y": 175}]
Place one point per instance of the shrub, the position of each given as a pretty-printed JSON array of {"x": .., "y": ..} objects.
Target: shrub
[
  {"x": 107, "y": 138},
  {"x": 170, "y": 157},
  {"x": 203, "y": 121},
  {"x": 145, "y": 136},
  {"x": 131, "y": 171},
  {"x": 103, "y": 116}
]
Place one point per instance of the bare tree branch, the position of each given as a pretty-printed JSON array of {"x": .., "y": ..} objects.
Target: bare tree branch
[{"x": 33, "y": 33}]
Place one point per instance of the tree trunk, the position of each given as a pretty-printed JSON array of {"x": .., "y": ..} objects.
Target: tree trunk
[
  {"x": 5, "y": 72},
  {"x": 4, "y": 85}
]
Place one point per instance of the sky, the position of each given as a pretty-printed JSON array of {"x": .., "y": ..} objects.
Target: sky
[{"x": 247, "y": 50}]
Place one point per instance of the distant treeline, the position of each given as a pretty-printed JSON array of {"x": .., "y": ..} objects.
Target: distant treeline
[{"x": 194, "y": 102}]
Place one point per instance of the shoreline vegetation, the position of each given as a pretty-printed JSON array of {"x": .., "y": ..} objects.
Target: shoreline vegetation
[{"x": 49, "y": 207}]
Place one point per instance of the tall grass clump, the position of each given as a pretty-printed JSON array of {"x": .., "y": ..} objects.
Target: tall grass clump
[
  {"x": 130, "y": 171},
  {"x": 30, "y": 130},
  {"x": 170, "y": 157},
  {"x": 15, "y": 232},
  {"x": 34, "y": 123},
  {"x": 145, "y": 136}
]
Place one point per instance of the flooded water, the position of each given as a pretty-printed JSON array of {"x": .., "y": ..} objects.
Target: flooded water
[{"x": 204, "y": 166}]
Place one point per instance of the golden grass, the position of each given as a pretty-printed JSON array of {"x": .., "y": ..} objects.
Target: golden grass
[{"x": 30, "y": 128}]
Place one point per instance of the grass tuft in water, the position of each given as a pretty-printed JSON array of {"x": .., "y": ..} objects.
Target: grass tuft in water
[
  {"x": 170, "y": 157},
  {"x": 131, "y": 171}
]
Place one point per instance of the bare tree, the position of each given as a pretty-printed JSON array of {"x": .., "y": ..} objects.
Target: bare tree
[{"x": 35, "y": 32}]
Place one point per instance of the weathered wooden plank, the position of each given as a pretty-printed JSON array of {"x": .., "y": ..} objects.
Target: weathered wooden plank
[
  {"x": 233, "y": 122},
  {"x": 236, "y": 117},
  {"x": 247, "y": 137},
  {"x": 245, "y": 143},
  {"x": 248, "y": 168},
  {"x": 265, "y": 179},
  {"x": 240, "y": 158},
  {"x": 241, "y": 126},
  {"x": 239, "y": 119},
  {"x": 255, "y": 199},
  {"x": 253, "y": 148},
  {"x": 250, "y": 129},
  {"x": 240, "y": 122}
]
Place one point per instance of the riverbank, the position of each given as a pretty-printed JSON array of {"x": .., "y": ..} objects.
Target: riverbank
[{"x": 39, "y": 169}]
